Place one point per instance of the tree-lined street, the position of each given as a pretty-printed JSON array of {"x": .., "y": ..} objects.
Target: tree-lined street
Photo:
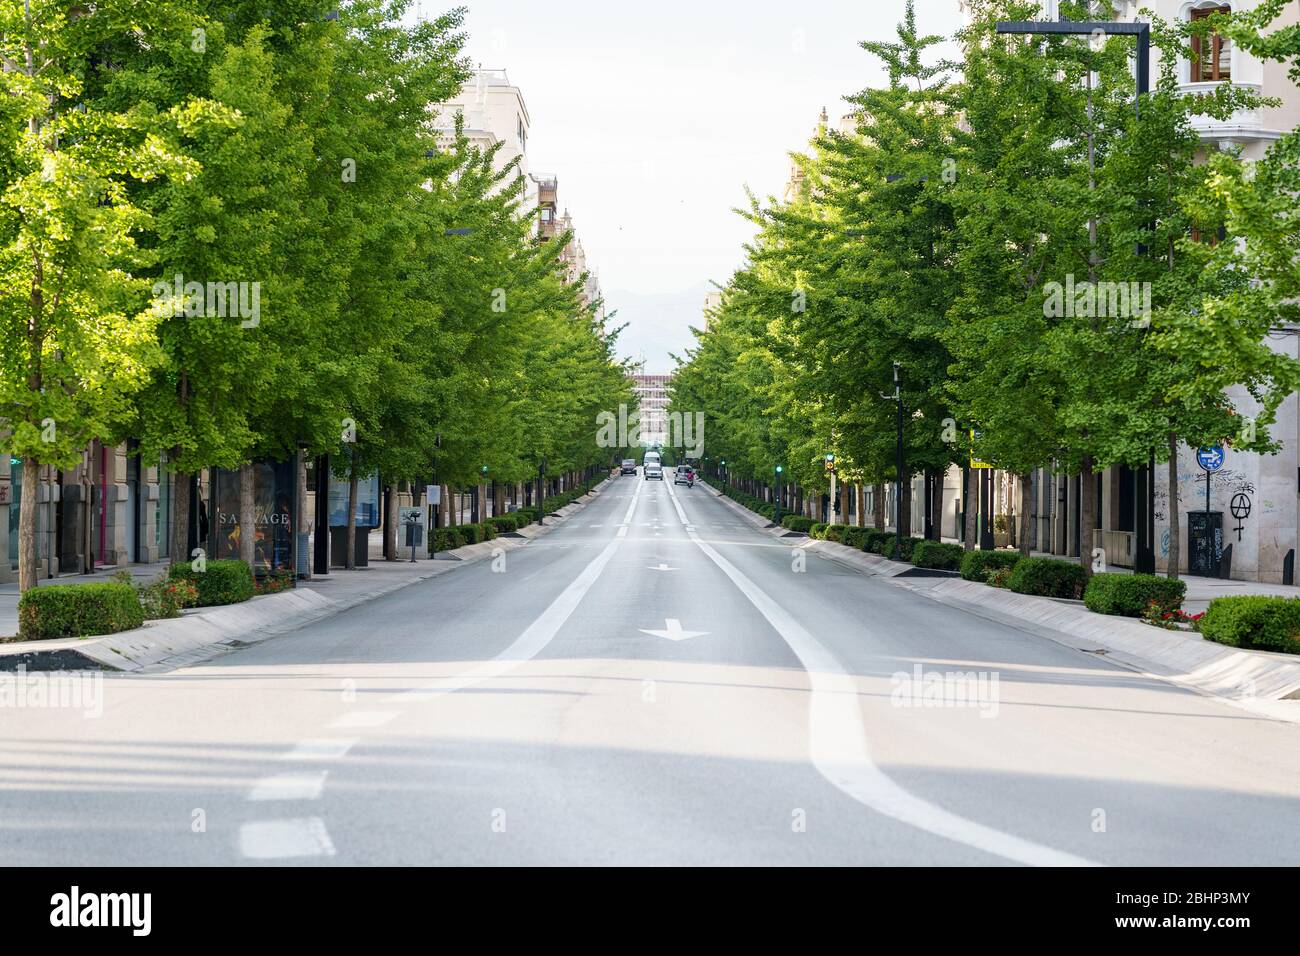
[{"x": 533, "y": 716}]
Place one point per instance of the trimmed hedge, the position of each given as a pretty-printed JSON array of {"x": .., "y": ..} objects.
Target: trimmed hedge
[
  {"x": 978, "y": 565},
  {"x": 835, "y": 532},
  {"x": 226, "y": 581},
  {"x": 883, "y": 544},
  {"x": 1047, "y": 577},
  {"x": 1253, "y": 621},
  {"x": 1130, "y": 594},
  {"x": 797, "y": 523},
  {"x": 856, "y": 538},
  {"x": 78, "y": 610},
  {"x": 938, "y": 554},
  {"x": 817, "y": 530}
]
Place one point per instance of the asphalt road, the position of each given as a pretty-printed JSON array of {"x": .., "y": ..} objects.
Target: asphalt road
[{"x": 655, "y": 682}]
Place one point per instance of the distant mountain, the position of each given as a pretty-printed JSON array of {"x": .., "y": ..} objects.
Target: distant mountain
[{"x": 657, "y": 324}]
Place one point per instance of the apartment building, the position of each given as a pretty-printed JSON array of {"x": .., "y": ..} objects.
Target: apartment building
[{"x": 652, "y": 399}]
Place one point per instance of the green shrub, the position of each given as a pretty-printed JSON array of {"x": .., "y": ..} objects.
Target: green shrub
[
  {"x": 979, "y": 565},
  {"x": 1132, "y": 594},
  {"x": 225, "y": 581},
  {"x": 873, "y": 535},
  {"x": 797, "y": 523},
  {"x": 938, "y": 554},
  {"x": 78, "y": 610},
  {"x": 855, "y": 538},
  {"x": 835, "y": 532},
  {"x": 1254, "y": 621},
  {"x": 447, "y": 539},
  {"x": 166, "y": 597},
  {"x": 1047, "y": 577},
  {"x": 504, "y": 523},
  {"x": 883, "y": 544},
  {"x": 905, "y": 547},
  {"x": 817, "y": 530},
  {"x": 1001, "y": 577}
]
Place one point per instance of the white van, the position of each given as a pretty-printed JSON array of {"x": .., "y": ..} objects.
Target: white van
[{"x": 653, "y": 466}]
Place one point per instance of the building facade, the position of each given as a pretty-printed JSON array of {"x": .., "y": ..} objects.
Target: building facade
[{"x": 1252, "y": 500}]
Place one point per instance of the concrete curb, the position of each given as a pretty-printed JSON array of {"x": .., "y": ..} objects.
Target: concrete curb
[{"x": 1240, "y": 676}]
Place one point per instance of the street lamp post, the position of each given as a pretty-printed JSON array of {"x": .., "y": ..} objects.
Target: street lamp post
[
  {"x": 1144, "y": 560},
  {"x": 779, "y": 470},
  {"x": 897, "y": 398}
]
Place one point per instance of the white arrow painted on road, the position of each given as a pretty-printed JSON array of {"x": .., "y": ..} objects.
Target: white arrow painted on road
[
  {"x": 661, "y": 567},
  {"x": 674, "y": 631}
]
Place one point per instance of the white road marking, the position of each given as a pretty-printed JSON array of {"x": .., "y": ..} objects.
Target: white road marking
[
  {"x": 282, "y": 839},
  {"x": 365, "y": 718},
  {"x": 661, "y": 567},
  {"x": 538, "y": 634},
  {"x": 838, "y": 744},
  {"x": 328, "y": 748},
  {"x": 289, "y": 786},
  {"x": 673, "y": 631}
]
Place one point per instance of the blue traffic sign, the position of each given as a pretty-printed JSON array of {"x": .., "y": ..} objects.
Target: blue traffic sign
[{"x": 1210, "y": 458}]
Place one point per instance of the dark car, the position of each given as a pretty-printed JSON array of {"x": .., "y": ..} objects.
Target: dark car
[{"x": 628, "y": 467}]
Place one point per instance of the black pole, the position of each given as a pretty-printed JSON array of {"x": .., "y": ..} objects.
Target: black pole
[
  {"x": 898, "y": 463},
  {"x": 321, "y": 544}
]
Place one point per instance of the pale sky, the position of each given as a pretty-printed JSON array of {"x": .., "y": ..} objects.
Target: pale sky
[{"x": 656, "y": 116}]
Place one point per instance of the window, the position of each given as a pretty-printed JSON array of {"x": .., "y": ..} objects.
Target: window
[{"x": 1212, "y": 54}]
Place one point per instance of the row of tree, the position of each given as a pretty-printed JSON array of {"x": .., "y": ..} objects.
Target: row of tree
[
  {"x": 229, "y": 229},
  {"x": 997, "y": 227}
]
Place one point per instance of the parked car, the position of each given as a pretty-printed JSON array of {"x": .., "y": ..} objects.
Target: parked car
[
  {"x": 628, "y": 467},
  {"x": 653, "y": 466},
  {"x": 685, "y": 476}
]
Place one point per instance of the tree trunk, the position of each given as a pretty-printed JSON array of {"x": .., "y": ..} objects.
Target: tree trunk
[
  {"x": 182, "y": 483},
  {"x": 861, "y": 503},
  {"x": 354, "y": 483},
  {"x": 844, "y": 491},
  {"x": 878, "y": 505},
  {"x": 1087, "y": 503},
  {"x": 969, "y": 505},
  {"x": 1175, "y": 520},
  {"x": 247, "y": 516},
  {"x": 1026, "y": 503},
  {"x": 27, "y": 551}
]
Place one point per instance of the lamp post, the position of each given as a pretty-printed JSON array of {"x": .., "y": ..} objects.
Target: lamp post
[
  {"x": 1144, "y": 559},
  {"x": 897, "y": 398},
  {"x": 541, "y": 481},
  {"x": 779, "y": 470}
]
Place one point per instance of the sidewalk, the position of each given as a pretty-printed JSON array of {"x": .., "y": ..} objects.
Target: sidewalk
[{"x": 203, "y": 633}]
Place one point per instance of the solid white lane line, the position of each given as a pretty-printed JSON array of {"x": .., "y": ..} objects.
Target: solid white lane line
[
  {"x": 327, "y": 748},
  {"x": 289, "y": 786},
  {"x": 364, "y": 718},
  {"x": 283, "y": 839},
  {"x": 839, "y": 748},
  {"x": 538, "y": 634}
]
